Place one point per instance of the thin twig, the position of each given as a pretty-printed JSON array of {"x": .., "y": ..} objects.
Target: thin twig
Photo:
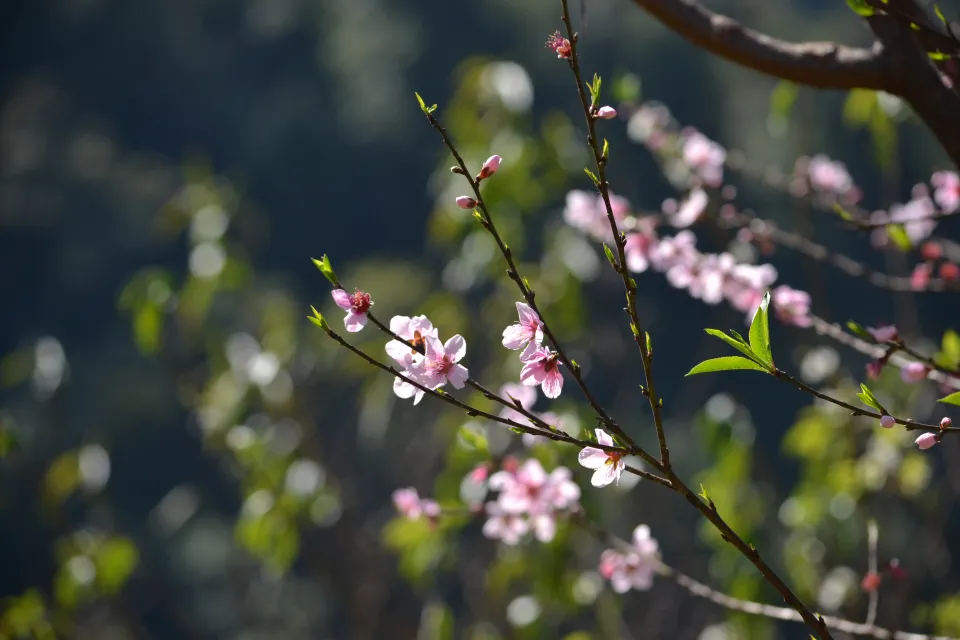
[
  {"x": 528, "y": 294},
  {"x": 629, "y": 284}
]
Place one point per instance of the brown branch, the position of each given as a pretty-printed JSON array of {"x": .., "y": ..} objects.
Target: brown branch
[{"x": 825, "y": 65}]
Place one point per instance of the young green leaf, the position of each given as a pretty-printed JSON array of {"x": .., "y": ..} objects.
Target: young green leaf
[
  {"x": 610, "y": 257},
  {"x": 859, "y": 331},
  {"x": 866, "y": 396},
  {"x": 318, "y": 319},
  {"x": 593, "y": 176},
  {"x": 898, "y": 234},
  {"x": 861, "y": 8},
  {"x": 843, "y": 213},
  {"x": 739, "y": 344},
  {"x": 327, "y": 270},
  {"x": 727, "y": 363},
  {"x": 936, "y": 10},
  {"x": 423, "y": 105},
  {"x": 760, "y": 333},
  {"x": 953, "y": 398},
  {"x": 606, "y": 149}
]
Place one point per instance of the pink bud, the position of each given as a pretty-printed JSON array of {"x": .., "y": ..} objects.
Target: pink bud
[
  {"x": 466, "y": 202},
  {"x": 946, "y": 423},
  {"x": 913, "y": 372},
  {"x": 606, "y": 112},
  {"x": 489, "y": 167},
  {"x": 887, "y": 422},
  {"x": 926, "y": 440},
  {"x": 883, "y": 334},
  {"x": 871, "y": 581}
]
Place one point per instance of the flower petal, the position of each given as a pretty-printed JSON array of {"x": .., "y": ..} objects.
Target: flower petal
[
  {"x": 552, "y": 384},
  {"x": 531, "y": 374},
  {"x": 592, "y": 458},
  {"x": 355, "y": 321},
  {"x": 515, "y": 336},
  {"x": 343, "y": 299},
  {"x": 457, "y": 376},
  {"x": 603, "y": 437},
  {"x": 400, "y": 325},
  {"x": 603, "y": 476},
  {"x": 455, "y": 348}
]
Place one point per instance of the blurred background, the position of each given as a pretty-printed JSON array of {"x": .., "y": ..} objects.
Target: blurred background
[{"x": 185, "y": 456}]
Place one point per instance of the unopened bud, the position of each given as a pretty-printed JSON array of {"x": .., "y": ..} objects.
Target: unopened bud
[
  {"x": 887, "y": 422},
  {"x": 926, "y": 441},
  {"x": 606, "y": 112},
  {"x": 466, "y": 202},
  {"x": 946, "y": 423},
  {"x": 457, "y": 170},
  {"x": 489, "y": 167}
]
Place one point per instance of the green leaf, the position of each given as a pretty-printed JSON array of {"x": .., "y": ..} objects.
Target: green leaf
[
  {"x": 727, "y": 363},
  {"x": 843, "y": 213},
  {"x": 936, "y": 10},
  {"x": 858, "y": 330},
  {"x": 595, "y": 90},
  {"x": 423, "y": 105},
  {"x": 953, "y": 398},
  {"x": 593, "y": 176},
  {"x": 610, "y": 257},
  {"x": 950, "y": 348},
  {"x": 760, "y": 333},
  {"x": 866, "y": 396},
  {"x": 115, "y": 561},
  {"x": 938, "y": 55},
  {"x": 861, "y": 8},
  {"x": 739, "y": 344},
  {"x": 327, "y": 270},
  {"x": 606, "y": 149},
  {"x": 318, "y": 319},
  {"x": 898, "y": 234}
]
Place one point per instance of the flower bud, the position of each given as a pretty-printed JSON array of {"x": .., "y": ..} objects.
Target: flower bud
[
  {"x": 456, "y": 169},
  {"x": 466, "y": 202},
  {"x": 606, "y": 112},
  {"x": 489, "y": 167},
  {"x": 926, "y": 440},
  {"x": 871, "y": 582},
  {"x": 946, "y": 423},
  {"x": 887, "y": 421},
  {"x": 949, "y": 271},
  {"x": 913, "y": 372}
]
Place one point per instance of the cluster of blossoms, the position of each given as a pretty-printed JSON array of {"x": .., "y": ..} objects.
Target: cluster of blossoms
[
  {"x": 712, "y": 278},
  {"x": 933, "y": 262},
  {"x": 431, "y": 363},
  {"x": 528, "y": 500},
  {"x": 633, "y": 568},
  {"x": 541, "y": 365},
  {"x": 410, "y": 505}
]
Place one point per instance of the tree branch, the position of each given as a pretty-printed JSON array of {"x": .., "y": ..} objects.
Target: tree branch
[{"x": 826, "y": 65}]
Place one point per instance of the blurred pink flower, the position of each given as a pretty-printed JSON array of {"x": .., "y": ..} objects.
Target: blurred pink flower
[
  {"x": 913, "y": 372},
  {"x": 829, "y": 176},
  {"x": 946, "y": 190},
  {"x": 791, "y": 306},
  {"x": 704, "y": 157},
  {"x": 885, "y": 333},
  {"x": 632, "y": 569},
  {"x": 690, "y": 209}
]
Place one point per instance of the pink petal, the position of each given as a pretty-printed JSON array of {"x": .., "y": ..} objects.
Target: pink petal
[
  {"x": 603, "y": 437},
  {"x": 603, "y": 476},
  {"x": 343, "y": 299},
  {"x": 400, "y": 325},
  {"x": 458, "y": 376},
  {"x": 355, "y": 321},
  {"x": 532, "y": 373},
  {"x": 399, "y": 352},
  {"x": 545, "y": 528},
  {"x": 455, "y": 348},
  {"x": 592, "y": 458},
  {"x": 515, "y": 336},
  {"x": 552, "y": 384}
]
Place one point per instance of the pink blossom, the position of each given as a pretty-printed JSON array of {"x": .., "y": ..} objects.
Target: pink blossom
[
  {"x": 559, "y": 45},
  {"x": 588, "y": 213},
  {"x": 466, "y": 202},
  {"x": 633, "y": 569},
  {"x": 673, "y": 251},
  {"x": 356, "y": 306},
  {"x": 415, "y": 330},
  {"x": 440, "y": 362},
  {"x": 828, "y": 176},
  {"x": 530, "y": 499},
  {"x": 946, "y": 190},
  {"x": 885, "y": 333},
  {"x": 637, "y": 250},
  {"x": 792, "y": 306},
  {"x": 920, "y": 277},
  {"x": 404, "y": 389},
  {"x": 489, "y": 167},
  {"x": 526, "y": 333},
  {"x": 690, "y": 209},
  {"x": 608, "y": 465},
  {"x": 509, "y": 528},
  {"x": 541, "y": 367},
  {"x": 704, "y": 157},
  {"x": 606, "y": 112},
  {"x": 926, "y": 440},
  {"x": 479, "y": 473},
  {"x": 887, "y": 421},
  {"x": 913, "y": 372},
  {"x": 915, "y": 216},
  {"x": 409, "y": 504}
]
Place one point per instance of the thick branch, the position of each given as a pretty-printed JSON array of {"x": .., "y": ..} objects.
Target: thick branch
[{"x": 825, "y": 65}]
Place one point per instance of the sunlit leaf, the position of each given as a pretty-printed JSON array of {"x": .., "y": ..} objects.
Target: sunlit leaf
[
  {"x": 727, "y": 363},
  {"x": 760, "y": 333},
  {"x": 115, "y": 561},
  {"x": 953, "y": 398},
  {"x": 861, "y": 8},
  {"x": 899, "y": 236}
]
